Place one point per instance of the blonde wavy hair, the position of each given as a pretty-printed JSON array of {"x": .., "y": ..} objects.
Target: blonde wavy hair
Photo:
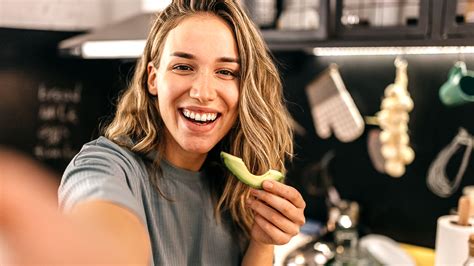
[{"x": 262, "y": 135}]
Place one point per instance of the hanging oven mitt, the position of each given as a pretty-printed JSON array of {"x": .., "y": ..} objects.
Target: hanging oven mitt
[{"x": 333, "y": 108}]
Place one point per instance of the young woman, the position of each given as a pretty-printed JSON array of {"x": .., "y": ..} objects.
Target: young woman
[{"x": 154, "y": 182}]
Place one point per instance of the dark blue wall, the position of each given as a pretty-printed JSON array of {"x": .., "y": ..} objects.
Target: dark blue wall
[{"x": 402, "y": 208}]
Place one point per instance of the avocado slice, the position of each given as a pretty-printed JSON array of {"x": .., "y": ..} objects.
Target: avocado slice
[{"x": 237, "y": 167}]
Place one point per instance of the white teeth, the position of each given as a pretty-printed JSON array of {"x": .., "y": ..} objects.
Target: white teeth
[{"x": 202, "y": 117}]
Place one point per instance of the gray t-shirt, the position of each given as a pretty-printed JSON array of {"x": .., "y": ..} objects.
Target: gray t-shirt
[{"x": 183, "y": 230}]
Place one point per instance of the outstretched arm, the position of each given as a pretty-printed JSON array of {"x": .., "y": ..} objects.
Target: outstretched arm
[{"x": 34, "y": 231}]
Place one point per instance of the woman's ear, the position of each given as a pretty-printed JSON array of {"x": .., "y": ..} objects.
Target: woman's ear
[{"x": 151, "y": 82}]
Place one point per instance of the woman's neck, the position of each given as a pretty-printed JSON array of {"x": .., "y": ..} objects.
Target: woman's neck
[{"x": 184, "y": 159}]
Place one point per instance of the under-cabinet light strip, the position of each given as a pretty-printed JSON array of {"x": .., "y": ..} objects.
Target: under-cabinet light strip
[
  {"x": 134, "y": 49},
  {"x": 113, "y": 49},
  {"x": 409, "y": 50}
]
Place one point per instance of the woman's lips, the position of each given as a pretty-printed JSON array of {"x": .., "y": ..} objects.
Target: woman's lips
[{"x": 199, "y": 126}]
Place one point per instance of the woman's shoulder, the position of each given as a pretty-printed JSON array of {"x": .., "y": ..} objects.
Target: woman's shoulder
[
  {"x": 106, "y": 151},
  {"x": 105, "y": 144},
  {"x": 108, "y": 146},
  {"x": 103, "y": 170}
]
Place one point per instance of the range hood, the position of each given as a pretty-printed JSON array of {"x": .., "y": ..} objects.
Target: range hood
[{"x": 123, "y": 40}]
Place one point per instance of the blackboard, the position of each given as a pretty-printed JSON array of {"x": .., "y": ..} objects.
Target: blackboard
[
  {"x": 58, "y": 115},
  {"x": 51, "y": 105}
]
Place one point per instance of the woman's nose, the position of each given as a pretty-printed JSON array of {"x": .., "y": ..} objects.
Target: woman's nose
[{"x": 203, "y": 88}]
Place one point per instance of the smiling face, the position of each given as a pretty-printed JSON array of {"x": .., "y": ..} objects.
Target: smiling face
[{"x": 197, "y": 87}]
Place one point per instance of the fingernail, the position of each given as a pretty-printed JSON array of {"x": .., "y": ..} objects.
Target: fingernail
[
  {"x": 267, "y": 185},
  {"x": 249, "y": 201},
  {"x": 254, "y": 192}
]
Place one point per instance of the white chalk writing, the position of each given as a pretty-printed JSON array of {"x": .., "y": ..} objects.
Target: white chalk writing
[{"x": 57, "y": 115}]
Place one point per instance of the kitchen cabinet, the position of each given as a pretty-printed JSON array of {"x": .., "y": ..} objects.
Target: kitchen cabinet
[
  {"x": 345, "y": 23},
  {"x": 382, "y": 19},
  {"x": 458, "y": 19},
  {"x": 298, "y": 18},
  {"x": 437, "y": 22},
  {"x": 290, "y": 24}
]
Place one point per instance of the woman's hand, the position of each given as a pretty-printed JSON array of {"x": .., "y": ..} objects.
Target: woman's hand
[
  {"x": 279, "y": 213},
  {"x": 34, "y": 232}
]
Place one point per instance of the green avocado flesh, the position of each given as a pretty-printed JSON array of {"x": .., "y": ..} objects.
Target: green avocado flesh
[{"x": 237, "y": 167}]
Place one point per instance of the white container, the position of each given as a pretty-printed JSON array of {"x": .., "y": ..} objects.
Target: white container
[
  {"x": 451, "y": 246},
  {"x": 262, "y": 12}
]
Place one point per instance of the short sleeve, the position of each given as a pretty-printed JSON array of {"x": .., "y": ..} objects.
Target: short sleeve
[{"x": 98, "y": 173}]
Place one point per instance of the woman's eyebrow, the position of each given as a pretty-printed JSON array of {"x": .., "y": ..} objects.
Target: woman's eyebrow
[
  {"x": 183, "y": 55},
  {"x": 228, "y": 60},
  {"x": 224, "y": 59}
]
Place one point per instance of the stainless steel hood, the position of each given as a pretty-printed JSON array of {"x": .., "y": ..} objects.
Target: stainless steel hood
[{"x": 122, "y": 40}]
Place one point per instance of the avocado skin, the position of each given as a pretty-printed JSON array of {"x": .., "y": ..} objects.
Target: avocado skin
[{"x": 237, "y": 167}]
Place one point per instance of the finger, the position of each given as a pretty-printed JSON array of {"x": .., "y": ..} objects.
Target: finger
[
  {"x": 280, "y": 204},
  {"x": 273, "y": 216},
  {"x": 278, "y": 236},
  {"x": 285, "y": 191},
  {"x": 258, "y": 234}
]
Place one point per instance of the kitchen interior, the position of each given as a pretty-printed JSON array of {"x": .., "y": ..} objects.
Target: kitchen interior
[{"x": 397, "y": 67}]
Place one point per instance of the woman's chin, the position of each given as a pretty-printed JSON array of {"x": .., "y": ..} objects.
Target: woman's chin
[{"x": 198, "y": 149}]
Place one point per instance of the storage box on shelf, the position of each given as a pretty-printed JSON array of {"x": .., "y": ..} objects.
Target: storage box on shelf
[
  {"x": 458, "y": 16},
  {"x": 379, "y": 19},
  {"x": 297, "y": 24}
]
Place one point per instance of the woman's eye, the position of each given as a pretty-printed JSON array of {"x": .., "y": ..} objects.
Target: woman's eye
[
  {"x": 182, "y": 68},
  {"x": 227, "y": 73}
]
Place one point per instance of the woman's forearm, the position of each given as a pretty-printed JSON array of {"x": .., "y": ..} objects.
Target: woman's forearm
[
  {"x": 258, "y": 254},
  {"x": 35, "y": 232}
]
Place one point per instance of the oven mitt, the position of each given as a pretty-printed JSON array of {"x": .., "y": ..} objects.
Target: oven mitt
[{"x": 333, "y": 108}]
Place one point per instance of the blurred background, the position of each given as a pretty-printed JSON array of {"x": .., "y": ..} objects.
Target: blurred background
[{"x": 58, "y": 84}]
